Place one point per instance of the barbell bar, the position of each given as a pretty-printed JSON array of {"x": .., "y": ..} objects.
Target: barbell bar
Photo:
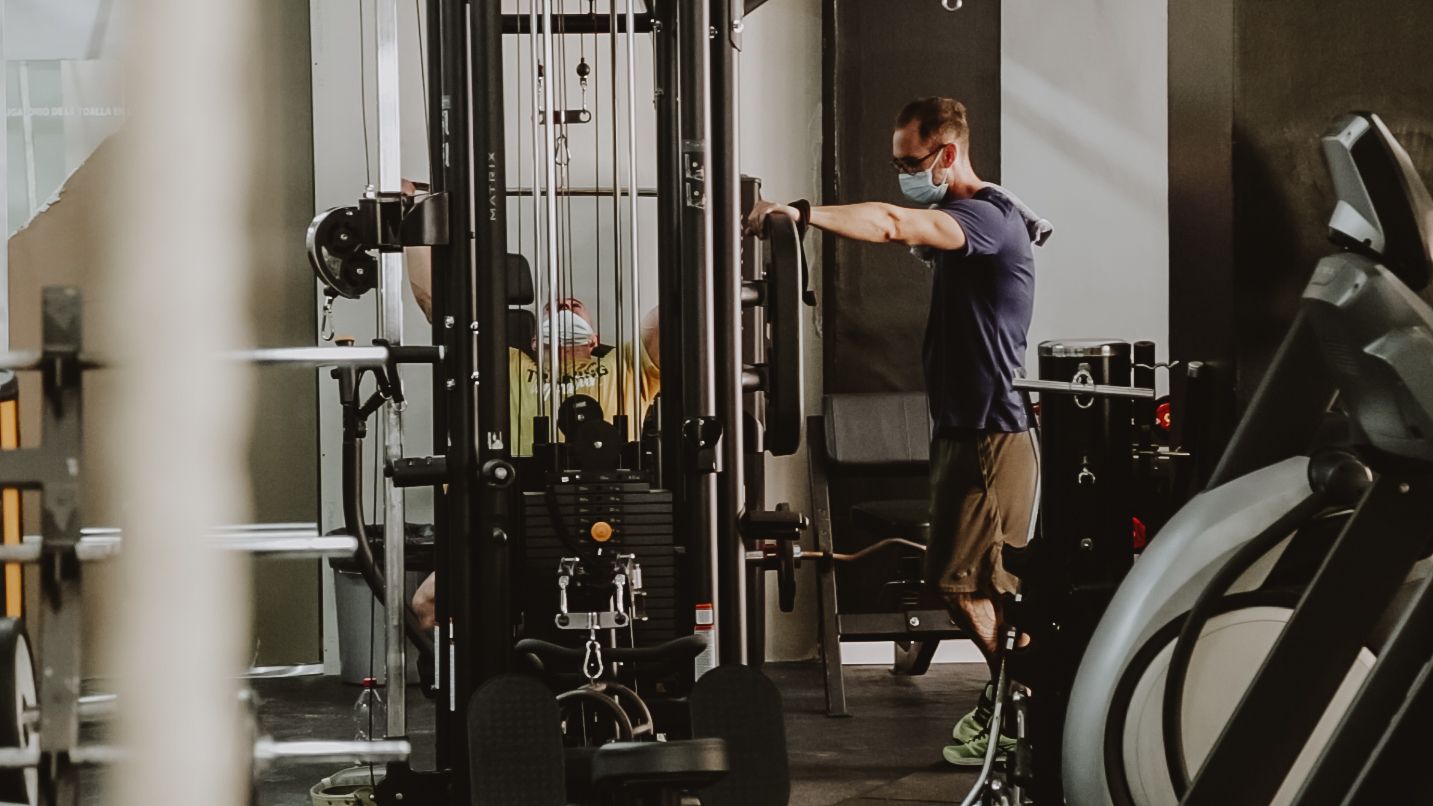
[
  {"x": 105, "y": 545},
  {"x": 377, "y": 356},
  {"x": 1083, "y": 389}
]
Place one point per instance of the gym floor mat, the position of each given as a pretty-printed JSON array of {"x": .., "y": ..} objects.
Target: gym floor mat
[{"x": 888, "y": 753}]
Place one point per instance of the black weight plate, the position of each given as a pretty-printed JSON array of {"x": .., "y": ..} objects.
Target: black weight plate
[{"x": 18, "y": 693}]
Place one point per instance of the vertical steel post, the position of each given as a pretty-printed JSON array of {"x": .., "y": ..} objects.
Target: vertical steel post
[
  {"x": 491, "y": 629},
  {"x": 390, "y": 328},
  {"x": 450, "y": 152},
  {"x": 554, "y": 271},
  {"x": 724, "y": 202},
  {"x": 666, "y": 84},
  {"x": 632, "y": 188},
  {"x": 700, "y": 397},
  {"x": 539, "y": 78}
]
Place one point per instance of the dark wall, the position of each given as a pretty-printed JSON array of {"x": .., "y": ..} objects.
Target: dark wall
[
  {"x": 1297, "y": 65},
  {"x": 1303, "y": 63},
  {"x": 284, "y": 450},
  {"x": 879, "y": 55},
  {"x": 1201, "y": 192}
]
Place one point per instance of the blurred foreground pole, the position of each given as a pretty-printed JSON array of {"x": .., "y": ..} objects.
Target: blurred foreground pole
[{"x": 178, "y": 292}]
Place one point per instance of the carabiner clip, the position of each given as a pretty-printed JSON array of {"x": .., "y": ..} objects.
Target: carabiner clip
[{"x": 325, "y": 328}]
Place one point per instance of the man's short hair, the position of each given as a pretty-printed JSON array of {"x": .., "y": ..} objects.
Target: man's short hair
[{"x": 936, "y": 118}]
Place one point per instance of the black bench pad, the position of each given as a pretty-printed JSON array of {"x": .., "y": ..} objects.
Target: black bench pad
[
  {"x": 689, "y": 764},
  {"x": 908, "y": 518}
]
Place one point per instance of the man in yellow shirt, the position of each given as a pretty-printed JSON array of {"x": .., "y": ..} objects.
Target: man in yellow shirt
[
  {"x": 608, "y": 375},
  {"x": 585, "y": 367}
]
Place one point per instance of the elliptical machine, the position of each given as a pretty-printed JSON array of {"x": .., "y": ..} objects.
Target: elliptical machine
[{"x": 1294, "y": 639}]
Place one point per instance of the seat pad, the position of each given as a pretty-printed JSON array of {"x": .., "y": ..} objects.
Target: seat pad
[
  {"x": 692, "y": 763},
  {"x": 908, "y": 518}
]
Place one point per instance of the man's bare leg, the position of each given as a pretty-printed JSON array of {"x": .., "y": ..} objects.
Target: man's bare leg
[{"x": 976, "y": 614}]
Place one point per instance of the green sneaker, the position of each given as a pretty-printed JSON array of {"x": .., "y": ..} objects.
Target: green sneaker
[
  {"x": 970, "y": 726},
  {"x": 975, "y": 722},
  {"x": 972, "y": 753}
]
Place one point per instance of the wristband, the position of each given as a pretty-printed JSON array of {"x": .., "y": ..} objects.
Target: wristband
[{"x": 803, "y": 207}]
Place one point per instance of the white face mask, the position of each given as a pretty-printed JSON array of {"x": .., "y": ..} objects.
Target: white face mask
[{"x": 572, "y": 330}]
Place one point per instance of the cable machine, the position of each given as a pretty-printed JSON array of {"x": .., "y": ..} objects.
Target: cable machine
[{"x": 618, "y": 551}]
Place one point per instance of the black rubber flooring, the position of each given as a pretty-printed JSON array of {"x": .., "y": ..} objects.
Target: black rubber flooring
[{"x": 888, "y": 752}]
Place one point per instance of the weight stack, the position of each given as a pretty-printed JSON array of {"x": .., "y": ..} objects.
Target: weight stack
[{"x": 1085, "y": 474}]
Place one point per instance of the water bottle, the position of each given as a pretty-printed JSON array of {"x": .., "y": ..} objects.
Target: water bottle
[{"x": 370, "y": 716}]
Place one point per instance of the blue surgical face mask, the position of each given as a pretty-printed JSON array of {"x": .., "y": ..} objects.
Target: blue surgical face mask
[{"x": 921, "y": 187}]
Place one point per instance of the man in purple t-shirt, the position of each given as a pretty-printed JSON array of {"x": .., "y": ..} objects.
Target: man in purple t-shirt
[{"x": 983, "y": 461}]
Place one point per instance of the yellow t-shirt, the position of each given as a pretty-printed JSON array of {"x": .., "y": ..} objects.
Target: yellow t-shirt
[{"x": 598, "y": 378}]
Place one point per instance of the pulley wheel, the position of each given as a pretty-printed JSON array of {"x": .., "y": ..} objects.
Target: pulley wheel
[
  {"x": 597, "y": 446},
  {"x": 576, "y": 412},
  {"x": 18, "y": 694},
  {"x": 337, "y": 254}
]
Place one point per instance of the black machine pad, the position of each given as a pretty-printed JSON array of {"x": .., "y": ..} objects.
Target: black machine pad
[
  {"x": 515, "y": 744},
  {"x": 877, "y": 429},
  {"x": 901, "y": 517},
  {"x": 743, "y": 707}
]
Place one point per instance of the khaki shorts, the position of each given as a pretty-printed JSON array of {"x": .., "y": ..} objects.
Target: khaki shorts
[{"x": 982, "y": 495}]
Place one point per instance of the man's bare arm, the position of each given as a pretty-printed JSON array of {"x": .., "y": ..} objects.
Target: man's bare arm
[
  {"x": 873, "y": 222},
  {"x": 425, "y": 602},
  {"x": 652, "y": 337},
  {"x": 419, "y": 260},
  {"x": 876, "y": 222},
  {"x": 420, "y": 276}
]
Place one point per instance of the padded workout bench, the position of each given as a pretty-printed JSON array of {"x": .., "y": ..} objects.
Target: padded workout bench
[{"x": 858, "y": 443}]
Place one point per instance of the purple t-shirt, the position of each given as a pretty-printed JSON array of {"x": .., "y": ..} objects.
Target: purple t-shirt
[{"x": 980, "y": 309}]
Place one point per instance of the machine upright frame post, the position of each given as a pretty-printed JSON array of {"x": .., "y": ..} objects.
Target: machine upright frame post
[
  {"x": 672, "y": 286},
  {"x": 491, "y": 631},
  {"x": 454, "y": 405},
  {"x": 724, "y": 202},
  {"x": 390, "y": 326},
  {"x": 666, "y": 84},
  {"x": 699, "y": 401}
]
